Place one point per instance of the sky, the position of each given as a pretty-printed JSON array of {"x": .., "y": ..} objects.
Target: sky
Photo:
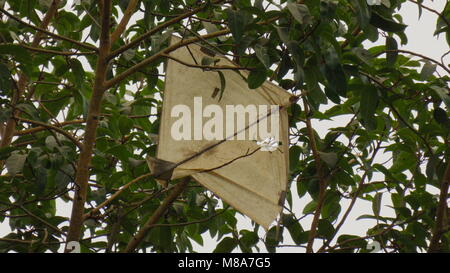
[{"x": 421, "y": 40}]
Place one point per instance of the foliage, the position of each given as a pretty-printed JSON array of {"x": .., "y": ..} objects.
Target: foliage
[{"x": 56, "y": 98}]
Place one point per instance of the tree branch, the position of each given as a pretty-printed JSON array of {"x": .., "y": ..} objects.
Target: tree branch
[
  {"x": 176, "y": 191},
  {"x": 82, "y": 175},
  {"x": 115, "y": 195},
  {"x": 320, "y": 174},
  {"x": 55, "y": 52},
  {"x": 124, "y": 21},
  {"x": 44, "y": 126},
  {"x": 42, "y": 220},
  {"x": 441, "y": 212},
  {"x": 47, "y": 126},
  {"x": 418, "y": 55}
]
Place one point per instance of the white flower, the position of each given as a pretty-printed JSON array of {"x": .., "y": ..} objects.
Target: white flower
[
  {"x": 268, "y": 145},
  {"x": 342, "y": 28},
  {"x": 373, "y": 2}
]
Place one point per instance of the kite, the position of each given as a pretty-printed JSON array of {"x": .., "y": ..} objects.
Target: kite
[{"x": 231, "y": 139}]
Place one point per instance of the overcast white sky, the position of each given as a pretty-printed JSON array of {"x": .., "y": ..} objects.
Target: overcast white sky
[{"x": 421, "y": 40}]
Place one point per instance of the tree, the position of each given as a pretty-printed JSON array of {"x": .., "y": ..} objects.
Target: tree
[{"x": 80, "y": 85}]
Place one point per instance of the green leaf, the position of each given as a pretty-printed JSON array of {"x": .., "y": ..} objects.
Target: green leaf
[
  {"x": 207, "y": 61},
  {"x": 362, "y": 12},
  {"x": 295, "y": 229},
  {"x": 45, "y": 3},
  {"x": 5, "y": 78},
  {"x": 18, "y": 52},
  {"x": 334, "y": 72},
  {"x": 120, "y": 151},
  {"x": 316, "y": 94},
  {"x": 248, "y": 238},
  {"x": 330, "y": 158},
  {"x": 51, "y": 143},
  {"x": 331, "y": 207},
  {"x": 237, "y": 21},
  {"x": 5, "y": 152},
  {"x": 15, "y": 162},
  {"x": 363, "y": 54},
  {"x": 78, "y": 71},
  {"x": 63, "y": 176},
  {"x": 376, "y": 203},
  {"x": 283, "y": 33},
  {"x": 440, "y": 115},
  {"x": 226, "y": 245},
  {"x": 223, "y": 84},
  {"x": 367, "y": 216},
  {"x": 41, "y": 179},
  {"x": 129, "y": 54},
  {"x": 392, "y": 54},
  {"x": 273, "y": 238},
  {"x": 300, "y": 12},
  {"x": 368, "y": 105},
  {"x": 351, "y": 241},
  {"x": 403, "y": 161},
  {"x": 443, "y": 94},
  {"x": 125, "y": 125},
  {"x": 302, "y": 187},
  {"x": 261, "y": 54},
  {"x": 256, "y": 78},
  {"x": 210, "y": 28},
  {"x": 427, "y": 70},
  {"x": 325, "y": 229},
  {"x": 310, "y": 207},
  {"x": 294, "y": 157},
  {"x": 332, "y": 95},
  {"x": 386, "y": 24},
  {"x": 259, "y": 4}
]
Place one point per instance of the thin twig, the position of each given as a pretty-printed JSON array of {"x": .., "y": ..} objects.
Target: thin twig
[
  {"x": 206, "y": 67},
  {"x": 320, "y": 174},
  {"x": 56, "y": 36},
  {"x": 54, "y": 52},
  {"x": 417, "y": 55},
  {"x": 442, "y": 16},
  {"x": 41, "y": 128},
  {"x": 159, "y": 28},
  {"x": 176, "y": 191},
  {"x": 51, "y": 127}
]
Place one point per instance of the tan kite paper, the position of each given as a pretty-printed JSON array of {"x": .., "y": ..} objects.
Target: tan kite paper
[{"x": 251, "y": 180}]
